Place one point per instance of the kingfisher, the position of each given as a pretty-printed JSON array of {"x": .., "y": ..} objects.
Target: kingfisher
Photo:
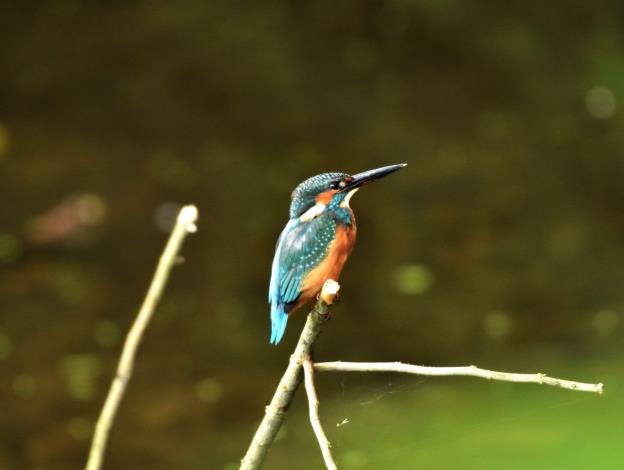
[{"x": 316, "y": 241}]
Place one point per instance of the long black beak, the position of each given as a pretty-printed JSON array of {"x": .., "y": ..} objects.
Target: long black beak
[{"x": 371, "y": 175}]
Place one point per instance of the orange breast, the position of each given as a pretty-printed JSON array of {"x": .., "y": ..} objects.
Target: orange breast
[{"x": 331, "y": 266}]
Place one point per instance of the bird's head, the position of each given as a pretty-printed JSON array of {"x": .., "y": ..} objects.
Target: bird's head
[{"x": 331, "y": 191}]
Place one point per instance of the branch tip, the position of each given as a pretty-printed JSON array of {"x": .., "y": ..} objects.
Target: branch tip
[
  {"x": 188, "y": 216},
  {"x": 329, "y": 291}
]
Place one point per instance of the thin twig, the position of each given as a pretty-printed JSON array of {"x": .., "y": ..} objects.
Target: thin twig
[
  {"x": 276, "y": 411},
  {"x": 472, "y": 371},
  {"x": 185, "y": 224},
  {"x": 313, "y": 404}
]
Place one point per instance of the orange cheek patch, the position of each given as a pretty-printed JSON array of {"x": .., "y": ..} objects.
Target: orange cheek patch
[{"x": 326, "y": 197}]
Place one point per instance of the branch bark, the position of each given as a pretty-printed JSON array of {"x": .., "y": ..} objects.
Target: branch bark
[
  {"x": 472, "y": 371},
  {"x": 185, "y": 224},
  {"x": 276, "y": 411},
  {"x": 313, "y": 404}
]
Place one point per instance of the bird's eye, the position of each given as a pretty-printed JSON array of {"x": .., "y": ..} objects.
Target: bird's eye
[{"x": 337, "y": 184}]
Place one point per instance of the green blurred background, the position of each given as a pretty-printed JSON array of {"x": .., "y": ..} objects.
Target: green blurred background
[{"x": 500, "y": 244}]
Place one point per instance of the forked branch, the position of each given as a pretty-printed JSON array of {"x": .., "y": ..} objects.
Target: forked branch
[{"x": 276, "y": 411}]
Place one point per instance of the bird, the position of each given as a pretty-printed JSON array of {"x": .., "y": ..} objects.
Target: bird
[{"x": 316, "y": 241}]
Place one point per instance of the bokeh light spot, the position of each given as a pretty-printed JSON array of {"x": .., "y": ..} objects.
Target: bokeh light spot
[
  {"x": 107, "y": 334},
  {"x": 497, "y": 325},
  {"x": 600, "y": 102},
  {"x": 209, "y": 390},
  {"x": 605, "y": 322},
  {"x": 90, "y": 209},
  {"x": 413, "y": 279},
  {"x": 79, "y": 372}
]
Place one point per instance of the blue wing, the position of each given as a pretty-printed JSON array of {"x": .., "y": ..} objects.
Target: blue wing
[{"x": 300, "y": 248}]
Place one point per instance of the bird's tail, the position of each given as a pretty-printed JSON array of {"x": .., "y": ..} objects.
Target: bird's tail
[{"x": 279, "y": 318}]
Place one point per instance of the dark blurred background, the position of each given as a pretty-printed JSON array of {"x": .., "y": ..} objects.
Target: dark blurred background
[{"x": 500, "y": 244}]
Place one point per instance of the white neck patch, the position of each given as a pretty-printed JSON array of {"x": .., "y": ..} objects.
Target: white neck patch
[
  {"x": 345, "y": 201},
  {"x": 312, "y": 212}
]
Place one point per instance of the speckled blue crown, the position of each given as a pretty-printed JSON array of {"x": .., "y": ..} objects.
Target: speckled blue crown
[{"x": 303, "y": 197}]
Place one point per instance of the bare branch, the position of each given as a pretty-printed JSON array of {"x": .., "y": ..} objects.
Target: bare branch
[
  {"x": 313, "y": 403},
  {"x": 185, "y": 224},
  {"x": 276, "y": 411},
  {"x": 472, "y": 371}
]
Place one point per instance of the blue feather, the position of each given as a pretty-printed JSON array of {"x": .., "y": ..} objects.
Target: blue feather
[
  {"x": 279, "y": 318},
  {"x": 300, "y": 248}
]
